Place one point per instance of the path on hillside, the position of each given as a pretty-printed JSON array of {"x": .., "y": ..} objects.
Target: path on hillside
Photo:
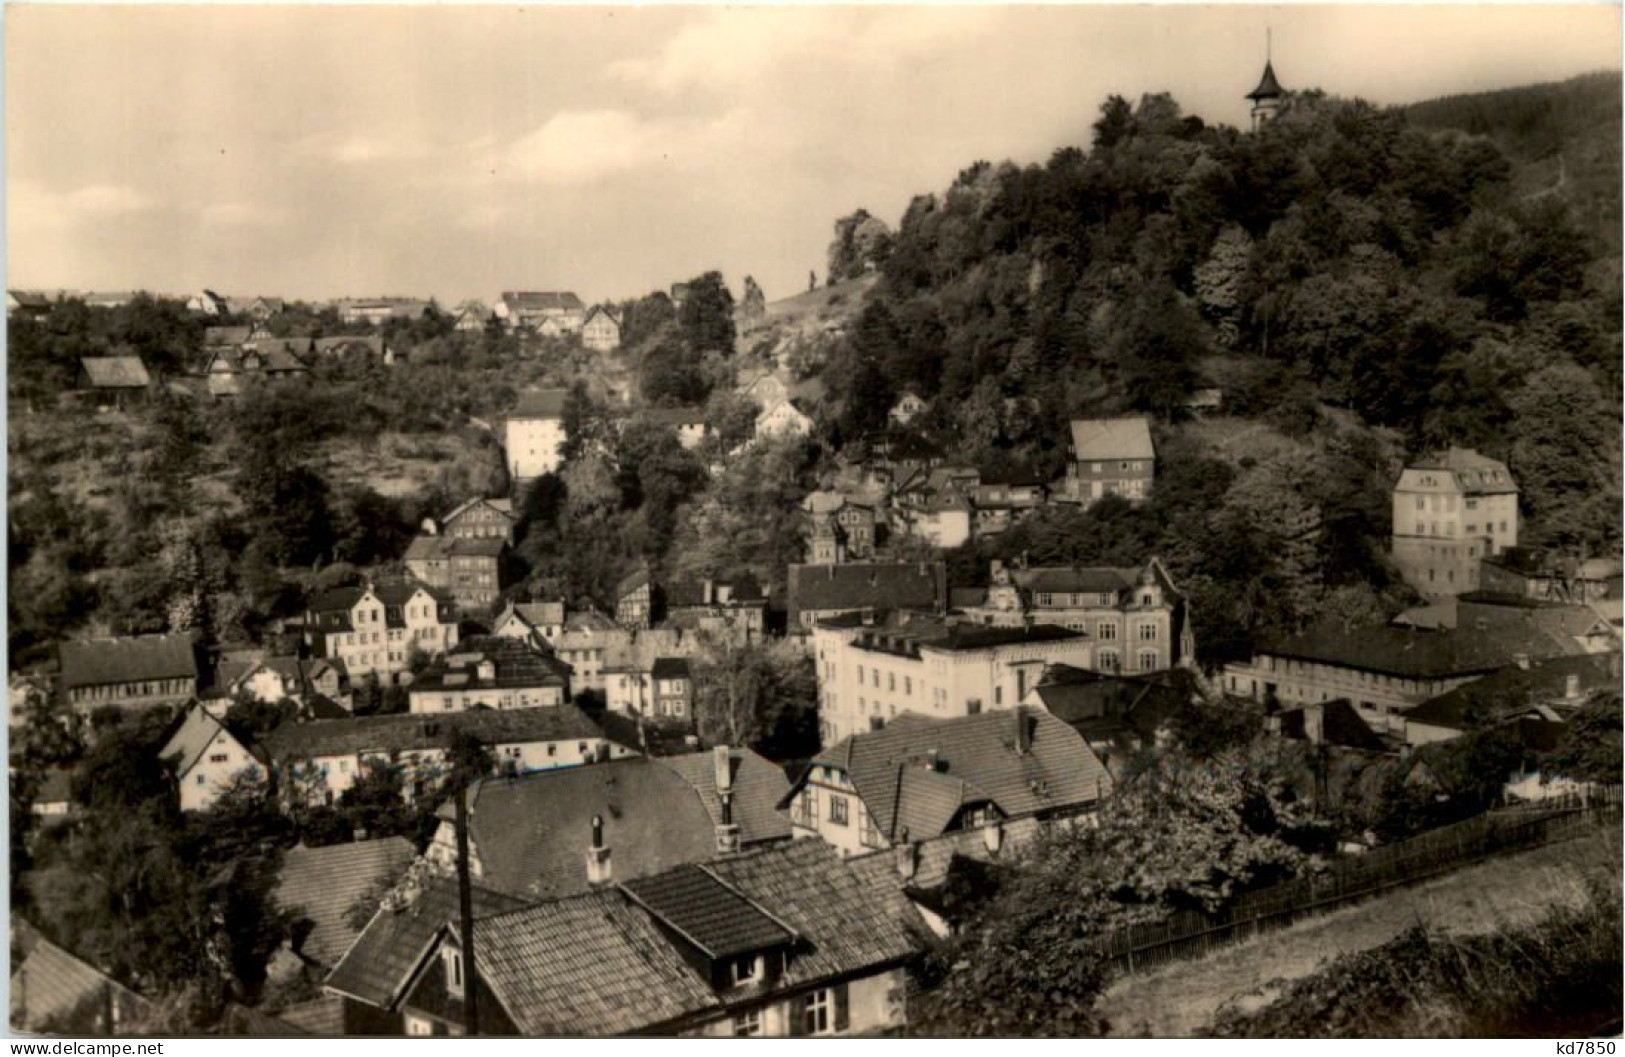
[{"x": 1179, "y": 1000}]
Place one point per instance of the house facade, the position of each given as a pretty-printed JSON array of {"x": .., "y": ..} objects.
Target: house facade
[
  {"x": 135, "y": 673},
  {"x": 635, "y": 600},
  {"x": 921, "y": 778},
  {"x": 373, "y": 628},
  {"x": 533, "y": 434},
  {"x": 601, "y": 329},
  {"x": 871, "y": 671},
  {"x": 1450, "y": 512},
  {"x": 783, "y": 420},
  {"x": 728, "y": 611},
  {"x": 470, "y": 569},
  {"x": 1138, "y": 620},
  {"x": 840, "y": 529},
  {"x": 629, "y": 665},
  {"x": 210, "y": 759},
  {"x": 1111, "y": 456},
  {"x": 495, "y": 672},
  {"x": 561, "y": 310}
]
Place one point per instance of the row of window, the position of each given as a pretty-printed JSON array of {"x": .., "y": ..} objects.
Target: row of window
[{"x": 149, "y": 688}]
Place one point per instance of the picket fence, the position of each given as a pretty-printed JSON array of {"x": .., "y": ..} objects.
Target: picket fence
[{"x": 1191, "y": 934}]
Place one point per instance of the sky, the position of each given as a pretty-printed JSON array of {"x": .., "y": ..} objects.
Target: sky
[{"x": 456, "y": 152}]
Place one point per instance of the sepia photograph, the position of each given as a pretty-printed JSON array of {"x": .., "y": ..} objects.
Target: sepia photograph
[{"x": 804, "y": 521}]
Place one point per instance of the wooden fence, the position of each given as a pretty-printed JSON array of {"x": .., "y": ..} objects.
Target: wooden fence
[{"x": 1191, "y": 934}]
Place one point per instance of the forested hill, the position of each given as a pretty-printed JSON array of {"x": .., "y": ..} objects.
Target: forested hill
[{"x": 1577, "y": 120}]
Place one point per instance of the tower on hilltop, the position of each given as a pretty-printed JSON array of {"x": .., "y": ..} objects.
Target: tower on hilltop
[{"x": 1267, "y": 97}]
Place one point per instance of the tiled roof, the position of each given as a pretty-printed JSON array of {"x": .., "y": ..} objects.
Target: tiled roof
[
  {"x": 320, "y": 1016},
  {"x": 1056, "y": 772},
  {"x": 542, "y": 300},
  {"x": 380, "y": 963},
  {"x": 1111, "y": 438},
  {"x": 707, "y": 913},
  {"x": 1059, "y": 579},
  {"x": 1096, "y": 704},
  {"x": 215, "y": 336},
  {"x": 1475, "y": 474},
  {"x": 393, "y": 595},
  {"x": 1515, "y": 686},
  {"x": 597, "y": 964},
  {"x": 99, "y": 662},
  {"x": 743, "y": 591},
  {"x": 540, "y": 403},
  {"x": 1268, "y": 86},
  {"x": 501, "y": 506},
  {"x": 194, "y": 736},
  {"x": 541, "y": 614},
  {"x": 53, "y": 992},
  {"x": 242, "y": 1022},
  {"x": 670, "y": 668},
  {"x": 516, "y": 665},
  {"x": 856, "y": 586},
  {"x": 1412, "y": 653},
  {"x": 531, "y": 832},
  {"x": 406, "y": 731},
  {"x": 322, "y": 884},
  {"x": 591, "y": 965},
  {"x": 116, "y": 372}
]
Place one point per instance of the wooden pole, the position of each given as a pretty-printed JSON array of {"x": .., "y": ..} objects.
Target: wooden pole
[{"x": 465, "y": 911}]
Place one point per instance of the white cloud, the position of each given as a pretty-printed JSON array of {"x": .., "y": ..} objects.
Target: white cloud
[
  {"x": 582, "y": 147},
  {"x": 31, "y": 205},
  {"x": 242, "y": 215}
]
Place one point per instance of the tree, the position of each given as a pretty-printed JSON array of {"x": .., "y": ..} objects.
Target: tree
[
  {"x": 1565, "y": 458},
  {"x": 862, "y": 243},
  {"x": 1590, "y": 749},
  {"x": 707, "y": 315},
  {"x": 761, "y": 696},
  {"x": 286, "y": 506}
]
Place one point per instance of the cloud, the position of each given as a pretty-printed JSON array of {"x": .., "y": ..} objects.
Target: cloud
[
  {"x": 362, "y": 149},
  {"x": 242, "y": 215},
  {"x": 583, "y": 147},
  {"x": 32, "y": 204}
]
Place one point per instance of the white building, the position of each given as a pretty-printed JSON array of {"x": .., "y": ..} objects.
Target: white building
[
  {"x": 373, "y": 629},
  {"x": 209, "y": 759},
  {"x": 496, "y": 671},
  {"x": 533, "y": 434},
  {"x": 872, "y": 670},
  {"x": 1450, "y": 512}
]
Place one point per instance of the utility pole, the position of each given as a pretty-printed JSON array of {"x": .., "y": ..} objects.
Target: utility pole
[{"x": 465, "y": 908}]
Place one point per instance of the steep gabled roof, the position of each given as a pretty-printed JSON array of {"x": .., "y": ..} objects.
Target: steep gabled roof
[
  {"x": 1111, "y": 438},
  {"x": 322, "y": 884},
  {"x": 52, "y": 991},
  {"x": 1056, "y": 772},
  {"x": 532, "y": 832},
  {"x": 542, "y": 301},
  {"x": 1268, "y": 86},
  {"x": 195, "y": 735},
  {"x": 1516, "y": 687},
  {"x": 540, "y": 403}
]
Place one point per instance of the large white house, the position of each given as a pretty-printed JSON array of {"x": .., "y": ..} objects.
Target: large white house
[
  {"x": 873, "y": 669},
  {"x": 534, "y": 434},
  {"x": 1450, "y": 512},
  {"x": 209, "y": 759},
  {"x": 374, "y": 628}
]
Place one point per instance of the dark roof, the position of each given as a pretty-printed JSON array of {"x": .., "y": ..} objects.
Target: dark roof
[
  {"x": 99, "y": 662},
  {"x": 1341, "y": 725},
  {"x": 1112, "y": 438},
  {"x": 242, "y": 1022},
  {"x": 320, "y": 1016},
  {"x": 54, "y": 992},
  {"x": 404, "y": 731},
  {"x": 916, "y": 772},
  {"x": 213, "y": 336},
  {"x": 1473, "y": 473},
  {"x": 1515, "y": 687},
  {"x": 516, "y": 665},
  {"x": 745, "y": 591},
  {"x": 707, "y": 913},
  {"x": 393, "y": 595},
  {"x": 597, "y": 964},
  {"x": 1099, "y": 705},
  {"x": 1413, "y": 653},
  {"x": 380, "y": 963},
  {"x": 670, "y": 668},
  {"x": 632, "y": 581},
  {"x": 673, "y": 416},
  {"x": 1074, "y": 579},
  {"x": 1268, "y": 86},
  {"x": 542, "y": 300},
  {"x": 321, "y": 885},
  {"x": 540, "y": 403},
  {"x": 532, "y": 831},
  {"x": 116, "y": 372},
  {"x": 865, "y": 585}
]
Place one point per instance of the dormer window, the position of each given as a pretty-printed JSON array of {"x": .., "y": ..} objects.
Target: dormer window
[
  {"x": 745, "y": 970},
  {"x": 451, "y": 960}
]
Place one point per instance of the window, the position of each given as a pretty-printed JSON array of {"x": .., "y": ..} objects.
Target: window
[
  {"x": 743, "y": 970},
  {"x": 1148, "y": 633},
  {"x": 818, "y": 1017},
  {"x": 451, "y": 959},
  {"x": 1148, "y": 660},
  {"x": 200, "y": 779},
  {"x": 1108, "y": 660},
  {"x": 552, "y": 749},
  {"x": 218, "y": 757},
  {"x": 1108, "y": 632},
  {"x": 748, "y": 1025},
  {"x": 908, "y": 686},
  {"x": 838, "y": 811},
  {"x": 418, "y": 1026},
  {"x": 1045, "y": 599},
  {"x": 998, "y": 695},
  {"x": 891, "y": 681}
]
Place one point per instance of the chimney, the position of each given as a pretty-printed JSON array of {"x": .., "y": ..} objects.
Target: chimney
[
  {"x": 598, "y": 864},
  {"x": 1521, "y": 660},
  {"x": 727, "y": 830},
  {"x": 1023, "y": 735},
  {"x": 1314, "y": 723},
  {"x": 908, "y": 857},
  {"x": 1571, "y": 687},
  {"x": 993, "y": 836}
]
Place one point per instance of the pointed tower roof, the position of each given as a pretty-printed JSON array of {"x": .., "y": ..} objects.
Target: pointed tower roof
[{"x": 1268, "y": 86}]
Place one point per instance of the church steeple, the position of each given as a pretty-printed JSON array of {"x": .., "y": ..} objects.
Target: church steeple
[{"x": 1268, "y": 95}]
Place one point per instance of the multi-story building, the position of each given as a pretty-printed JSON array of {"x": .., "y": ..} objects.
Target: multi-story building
[
  {"x": 1137, "y": 618},
  {"x": 210, "y": 759},
  {"x": 873, "y": 669},
  {"x": 584, "y": 643},
  {"x": 635, "y": 600},
  {"x": 533, "y": 434},
  {"x": 673, "y": 690},
  {"x": 139, "y": 672},
  {"x": 1450, "y": 512},
  {"x": 481, "y": 519},
  {"x": 629, "y": 665},
  {"x": 601, "y": 330},
  {"x": 841, "y": 529},
  {"x": 1111, "y": 456},
  {"x": 1387, "y": 670},
  {"x": 541, "y": 310},
  {"x": 373, "y": 628},
  {"x": 733, "y": 612},
  {"x": 492, "y": 671},
  {"x": 920, "y": 778},
  {"x": 470, "y": 570}
]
